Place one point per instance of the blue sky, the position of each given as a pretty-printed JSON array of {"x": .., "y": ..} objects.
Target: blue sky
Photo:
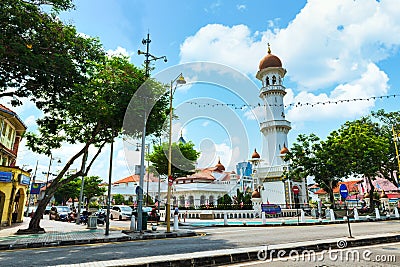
[{"x": 332, "y": 50}]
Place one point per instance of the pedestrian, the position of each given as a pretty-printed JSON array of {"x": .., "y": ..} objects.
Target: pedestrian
[{"x": 176, "y": 212}]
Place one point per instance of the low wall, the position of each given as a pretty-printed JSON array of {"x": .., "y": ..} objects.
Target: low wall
[{"x": 232, "y": 214}]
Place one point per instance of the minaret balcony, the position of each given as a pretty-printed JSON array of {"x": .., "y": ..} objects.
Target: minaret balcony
[
  {"x": 270, "y": 89},
  {"x": 275, "y": 124}
]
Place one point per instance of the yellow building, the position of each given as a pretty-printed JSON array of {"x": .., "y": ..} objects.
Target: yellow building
[{"x": 14, "y": 181}]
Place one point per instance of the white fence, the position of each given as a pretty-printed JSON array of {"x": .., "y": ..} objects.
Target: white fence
[{"x": 232, "y": 214}]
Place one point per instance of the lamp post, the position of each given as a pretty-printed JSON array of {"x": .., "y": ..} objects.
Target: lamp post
[
  {"x": 147, "y": 146},
  {"x": 149, "y": 58},
  {"x": 178, "y": 80}
]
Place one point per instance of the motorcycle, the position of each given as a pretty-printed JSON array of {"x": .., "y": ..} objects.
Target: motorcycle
[{"x": 101, "y": 217}]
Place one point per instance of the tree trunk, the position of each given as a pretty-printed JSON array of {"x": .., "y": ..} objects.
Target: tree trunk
[
  {"x": 34, "y": 224},
  {"x": 371, "y": 195}
]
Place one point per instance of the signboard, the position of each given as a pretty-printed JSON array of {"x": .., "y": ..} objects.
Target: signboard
[
  {"x": 137, "y": 169},
  {"x": 23, "y": 179},
  {"x": 35, "y": 189},
  {"x": 343, "y": 191},
  {"x": 295, "y": 190},
  {"x": 271, "y": 208},
  {"x": 5, "y": 176}
]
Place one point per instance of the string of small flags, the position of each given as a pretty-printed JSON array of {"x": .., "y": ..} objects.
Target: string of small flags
[{"x": 298, "y": 104}]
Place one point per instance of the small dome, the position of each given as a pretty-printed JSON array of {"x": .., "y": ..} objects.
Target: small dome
[
  {"x": 284, "y": 150},
  {"x": 219, "y": 166},
  {"x": 256, "y": 194},
  {"x": 383, "y": 195},
  {"x": 366, "y": 195},
  {"x": 255, "y": 155},
  {"x": 269, "y": 60}
]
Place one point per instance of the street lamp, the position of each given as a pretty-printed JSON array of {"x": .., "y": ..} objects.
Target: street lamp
[
  {"x": 147, "y": 146},
  {"x": 179, "y": 81},
  {"x": 149, "y": 58}
]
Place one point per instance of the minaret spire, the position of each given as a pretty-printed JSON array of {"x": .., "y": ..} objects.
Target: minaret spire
[{"x": 269, "y": 49}]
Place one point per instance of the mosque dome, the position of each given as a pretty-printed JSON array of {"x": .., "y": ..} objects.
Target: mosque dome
[
  {"x": 219, "y": 166},
  {"x": 255, "y": 155},
  {"x": 284, "y": 150},
  {"x": 256, "y": 194},
  {"x": 270, "y": 60}
]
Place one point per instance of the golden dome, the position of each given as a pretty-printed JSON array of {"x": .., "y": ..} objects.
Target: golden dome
[
  {"x": 256, "y": 194},
  {"x": 383, "y": 195},
  {"x": 269, "y": 60},
  {"x": 284, "y": 150},
  {"x": 255, "y": 155},
  {"x": 219, "y": 166}
]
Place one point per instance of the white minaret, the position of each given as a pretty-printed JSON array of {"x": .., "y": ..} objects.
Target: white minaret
[{"x": 275, "y": 128}]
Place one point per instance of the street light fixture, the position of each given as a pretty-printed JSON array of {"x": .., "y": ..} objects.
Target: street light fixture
[
  {"x": 149, "y": 58},
  {"x": 179, "y": 81}
]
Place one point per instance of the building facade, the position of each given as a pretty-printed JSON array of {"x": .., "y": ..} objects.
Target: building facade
[{"x": 14, "y": 181}]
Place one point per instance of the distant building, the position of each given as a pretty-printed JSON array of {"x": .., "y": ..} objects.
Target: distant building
[{"x": 14, "y": 181}]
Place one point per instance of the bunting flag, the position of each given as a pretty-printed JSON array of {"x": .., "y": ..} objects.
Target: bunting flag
[
  {"x": 362, "y": 188},
  {"x": 298, "y": 104}
]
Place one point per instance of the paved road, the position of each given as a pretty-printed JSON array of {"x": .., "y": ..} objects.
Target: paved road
[
  {"x": 383, "y": 255},
  {"x": 216, "y": 238}
]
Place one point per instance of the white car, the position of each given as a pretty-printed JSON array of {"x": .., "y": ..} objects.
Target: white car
[{"x": 121, "y": 212}]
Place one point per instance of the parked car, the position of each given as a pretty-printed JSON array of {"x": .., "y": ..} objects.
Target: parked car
[
  {"x": 47, "y": 210},
  {"x": 59, "y": 213},
  {"x": 121, "y": 212}
]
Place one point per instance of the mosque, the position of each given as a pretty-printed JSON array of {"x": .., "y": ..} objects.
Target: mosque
[
  {"x": 263, "y": 175},
  {"x": 268, "y": 171}
]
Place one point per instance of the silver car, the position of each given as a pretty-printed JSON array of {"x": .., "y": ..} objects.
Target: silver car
[{"x": 121, "y": 212}]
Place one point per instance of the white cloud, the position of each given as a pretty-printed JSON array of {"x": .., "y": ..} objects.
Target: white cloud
[
  {"x": 30, "y": 121},
  {"x": 372, "y": 83},
  {"x": 322, "y": 48},
  {"x": 119, "y": 51},
  {"x": 241, "y": 7}
]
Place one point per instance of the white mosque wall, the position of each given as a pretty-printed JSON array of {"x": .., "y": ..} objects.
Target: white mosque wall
[{"x": 274, "y": 192}]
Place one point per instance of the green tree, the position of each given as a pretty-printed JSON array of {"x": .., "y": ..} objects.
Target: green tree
[
  {"x": 389, "y": 121},
  {"x": 366, "y": 150},
  {"x": 184, "y": 157},
  {"x": 92, "y": 117},
  {"x": 68, "y": 190},
  {"x": 91, "y": 187},
  {"x": 118, "y": 199},
  {"x": 310, "y": 156},
  {"x": 225, "y": 202},
  {"x": 40, "y": 56}
]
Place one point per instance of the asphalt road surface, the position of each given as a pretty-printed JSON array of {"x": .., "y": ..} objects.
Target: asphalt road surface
[
  {"x": 213, "y": 239},
  {"x": 383, "y": 255}
]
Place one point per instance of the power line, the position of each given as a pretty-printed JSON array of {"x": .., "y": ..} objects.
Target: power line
[{"x": 297, "y": 104}]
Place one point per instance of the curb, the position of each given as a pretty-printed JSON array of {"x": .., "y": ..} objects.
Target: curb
[{"x": 126, "y": 237}]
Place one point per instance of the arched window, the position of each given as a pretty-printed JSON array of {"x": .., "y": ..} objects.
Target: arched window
[
  {"x": 211, "y": 200},
  {"x": 191, "y": 201},
  {"x": 267, "y": 80},
  {"x": 274, "y": 79},
  {"x": 202, "y": 200},
  {"x": 181, "y": 201}
]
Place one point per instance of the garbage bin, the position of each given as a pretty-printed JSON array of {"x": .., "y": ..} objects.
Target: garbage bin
[
  {"x": 92, "y": 222},
  {"x": 144, "y": 219}
]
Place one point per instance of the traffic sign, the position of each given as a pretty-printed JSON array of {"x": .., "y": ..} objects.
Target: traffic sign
[
  {"x": 295, "y": 189},
  {"x": 343, "y": 191},
  {"x": 170, "y": 180}
]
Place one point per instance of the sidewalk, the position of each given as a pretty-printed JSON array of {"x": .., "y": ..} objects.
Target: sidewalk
[{"x": 63, "y": 233}]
